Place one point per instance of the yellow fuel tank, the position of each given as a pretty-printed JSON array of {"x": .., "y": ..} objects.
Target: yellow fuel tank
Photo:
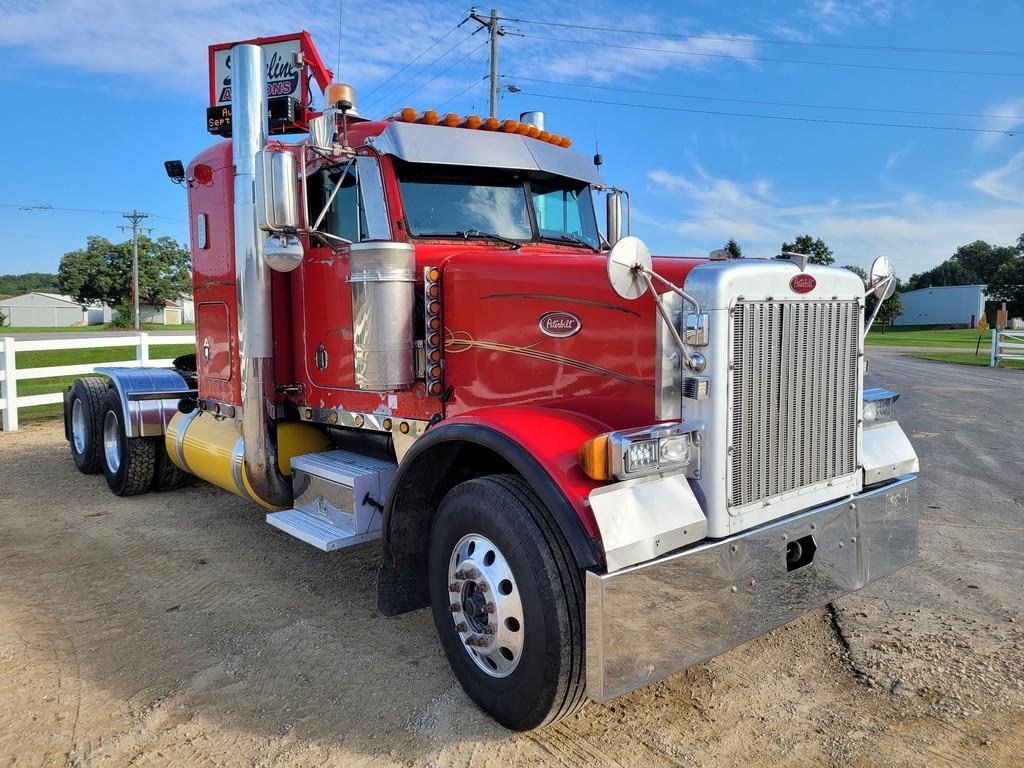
[{"x": 211, "y": 448}]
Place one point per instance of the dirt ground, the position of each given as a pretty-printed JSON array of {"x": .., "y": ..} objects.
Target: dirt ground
[{"x": 180, "y": 629}]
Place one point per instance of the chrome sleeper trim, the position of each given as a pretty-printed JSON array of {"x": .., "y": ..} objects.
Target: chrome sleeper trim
[{"x": 652, "y": 620}]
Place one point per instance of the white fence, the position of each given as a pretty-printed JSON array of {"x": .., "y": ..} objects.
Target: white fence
[
  {"x": 1006, "y": 345},
  {"x": 10, "y": 375}
]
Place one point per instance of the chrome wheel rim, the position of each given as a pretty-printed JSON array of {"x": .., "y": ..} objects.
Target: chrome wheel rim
[
  {"x": 485, "y": 605},
  {"x": 78, "y": 426},
  {"x": 112, "y": 441}
]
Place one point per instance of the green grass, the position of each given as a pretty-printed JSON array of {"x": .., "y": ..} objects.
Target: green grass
[
  {"x": 911, "y": 336},
  {"x": 94, "y": 328},
  {"x": 966, "y": 358},
  {"x": 98, "y": 355}
]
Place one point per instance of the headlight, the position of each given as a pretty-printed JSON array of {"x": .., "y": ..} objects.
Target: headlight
[
  {"x": 639, "y": 452},
  {"x": 879, "y": 406}
]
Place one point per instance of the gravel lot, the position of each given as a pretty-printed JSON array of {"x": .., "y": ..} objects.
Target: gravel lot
[{"x": 180, "y": 629}]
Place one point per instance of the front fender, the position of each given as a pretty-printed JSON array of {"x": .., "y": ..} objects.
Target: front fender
[{"x": 538, "y": 443}]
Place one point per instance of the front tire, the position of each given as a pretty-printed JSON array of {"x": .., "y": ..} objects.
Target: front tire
[
  {"x": 128, "y": 462},
  {"x": 507, "y": 600}
]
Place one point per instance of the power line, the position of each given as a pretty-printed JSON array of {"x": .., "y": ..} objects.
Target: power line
[
  {"x": 760, "y": 102},
  {"x": 737, "y": 57},
  {"x": 443, "y": 71},
  {"x": 862, "y": 123},
  {"x": 472, "y": 84},
  {"x": 768, "y": 41},
  {"x": 45, "y": 207},
  {"x": 419, "y": 71}
]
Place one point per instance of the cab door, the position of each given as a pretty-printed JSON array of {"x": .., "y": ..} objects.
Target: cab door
[{"x": 353, "y": 197}]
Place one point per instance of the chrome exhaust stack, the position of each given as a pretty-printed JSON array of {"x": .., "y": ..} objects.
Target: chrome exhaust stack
[{"x": 249, "y": 128}]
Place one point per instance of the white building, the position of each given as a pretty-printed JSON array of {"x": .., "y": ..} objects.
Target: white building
[
  {"x": 169, "y": 313},
  {"x": 943, "y": 305},
  {"x": 51, "y": 310}
]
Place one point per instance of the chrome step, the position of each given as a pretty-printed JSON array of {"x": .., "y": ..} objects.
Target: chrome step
[
  {"x": 339, "y": 496},
  {"x": 316, "y": 531}
]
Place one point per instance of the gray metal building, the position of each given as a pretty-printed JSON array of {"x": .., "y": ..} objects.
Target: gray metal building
[
  {"x": 44, "y": 310},
  {"x": 943, "y": 305}
]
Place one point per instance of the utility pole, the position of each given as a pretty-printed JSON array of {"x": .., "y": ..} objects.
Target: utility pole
[
  {"x": 135, "y": 217},
  {"x": 494, "y": 31}
]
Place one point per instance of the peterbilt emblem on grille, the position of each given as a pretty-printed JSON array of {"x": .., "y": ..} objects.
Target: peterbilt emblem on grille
[
  {"x": 803, "y": 283},
  {"x": 560, "y": 324}
]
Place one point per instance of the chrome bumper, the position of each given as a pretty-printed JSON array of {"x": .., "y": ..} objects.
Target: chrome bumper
[{"x": 649, "y": 621}]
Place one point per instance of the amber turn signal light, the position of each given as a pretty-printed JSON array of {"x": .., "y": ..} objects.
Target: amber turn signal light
[{"x": 593, "y": 458}]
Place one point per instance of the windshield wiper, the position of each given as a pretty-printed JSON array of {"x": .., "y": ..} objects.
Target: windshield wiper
[
  {"x": 568, "y": 237},
  {"x": 477, "y": 234}
]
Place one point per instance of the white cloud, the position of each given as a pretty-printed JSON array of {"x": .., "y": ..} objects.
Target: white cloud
[
  {"x": 1005, "y": 182},
  {"x": 166, "y": 43},
  {"x": 918, "y": 232},
  {"x": 834, "y": 16},
  {"x": 1007, "y": 116},
  {"x": 895, "y": 156}
]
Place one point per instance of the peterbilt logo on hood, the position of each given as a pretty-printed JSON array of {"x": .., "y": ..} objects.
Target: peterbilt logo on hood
[
  {"x": 803, "y": 283},
  {"x": 560, "y": 324}
]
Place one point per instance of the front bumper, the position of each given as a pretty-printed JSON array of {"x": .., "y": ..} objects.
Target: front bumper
[{"x": 652, "y": 620}]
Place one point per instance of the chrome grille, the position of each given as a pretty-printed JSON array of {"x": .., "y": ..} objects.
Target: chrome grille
[{"x": 794, "y": 396}]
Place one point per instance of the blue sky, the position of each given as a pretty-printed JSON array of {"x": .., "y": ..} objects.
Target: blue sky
[{"x": 100, "y": 92}]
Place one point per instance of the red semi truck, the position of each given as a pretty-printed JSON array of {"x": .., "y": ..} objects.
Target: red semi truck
[{"x": 597, "y": 468}]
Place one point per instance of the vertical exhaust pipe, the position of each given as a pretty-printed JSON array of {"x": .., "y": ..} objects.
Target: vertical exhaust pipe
[{"x": 249, "y": 127}]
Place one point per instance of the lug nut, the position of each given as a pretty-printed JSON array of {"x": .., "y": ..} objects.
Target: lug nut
[
  {"x": 453, "y": 587},
  {"x": 460, "y": 575},
  {"x": 460, "y": 627},
  {"x": 455, "y": 608},
  {"x": 481, "y": 587},
  {"x": 488, "y": 630},
  {"x": 472, "y": 573},
  {"x": 489, "y": 608}
]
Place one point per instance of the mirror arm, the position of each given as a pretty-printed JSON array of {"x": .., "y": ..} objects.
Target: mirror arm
[
  {"x": 334, "y": 194},
  {"x": 667, "y": 319},
  {"x": 672, "y": 287},
  {"x": 878, "y": 304}
]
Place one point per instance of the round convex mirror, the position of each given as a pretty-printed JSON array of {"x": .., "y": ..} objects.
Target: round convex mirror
[
  {"x": 627, "y": 261},
  {"x": 882, "y": 278}
]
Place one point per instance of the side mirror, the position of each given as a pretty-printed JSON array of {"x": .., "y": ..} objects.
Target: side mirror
[
  {"x": 882, "y": 278},
  {"x": 614, "y": 217},
  {"x": 277, "y": 193},
  {"x": 628, "y": 262}
]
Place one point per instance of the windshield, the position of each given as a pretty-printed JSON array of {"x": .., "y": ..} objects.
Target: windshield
[{"x": 450, "y": 201}]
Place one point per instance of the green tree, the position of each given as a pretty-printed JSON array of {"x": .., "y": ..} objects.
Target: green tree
[
  {"x": 102, "y": 271},
  {"x": 949, "y": 272},
  {"x": 11, "y": 285},
  {"x": 3, "y": 318},
  {"x": 891, "y": 308},
  {"x": 814, "y": 247},
  {"x": 733, "y": 249},
  {"x": 983, "y": 260},
  {"x": 1008, "y": 284}
]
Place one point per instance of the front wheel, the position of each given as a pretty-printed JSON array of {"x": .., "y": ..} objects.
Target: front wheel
[{"x": 507, "y": 600}]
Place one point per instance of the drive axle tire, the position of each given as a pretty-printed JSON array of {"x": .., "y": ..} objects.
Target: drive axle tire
[
  {"x": 85, "y": 415},
  {"x": 166, "y": 474},
  {"x": 128, "y": 462},
  {"x": 507, "y": 600}
]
